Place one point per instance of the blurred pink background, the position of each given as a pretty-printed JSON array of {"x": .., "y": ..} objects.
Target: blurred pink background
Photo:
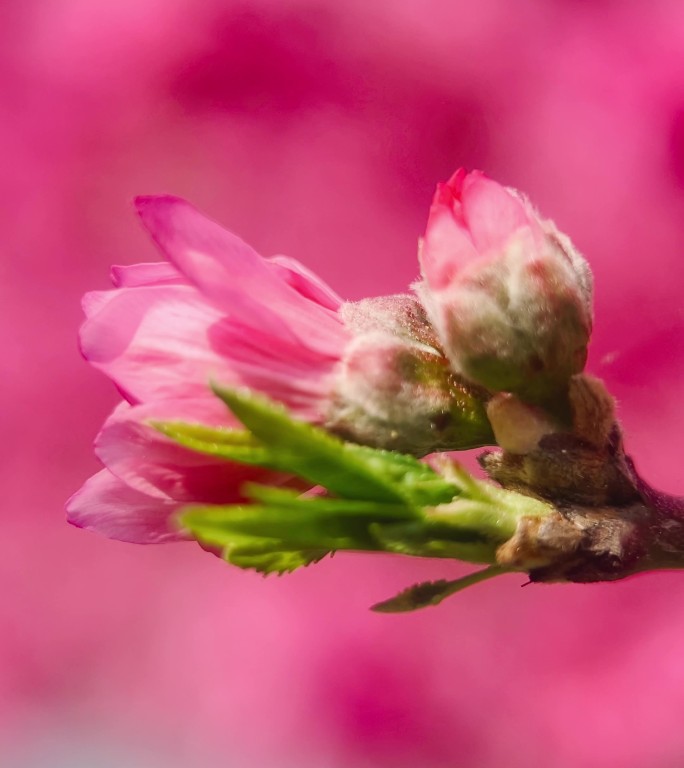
[{"x": 319, "y": 129}]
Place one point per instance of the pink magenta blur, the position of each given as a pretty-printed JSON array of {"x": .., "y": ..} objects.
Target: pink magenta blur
[{"x": 318, "y": 129}]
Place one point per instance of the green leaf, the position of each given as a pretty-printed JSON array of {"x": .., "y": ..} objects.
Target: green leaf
[
  {"x": 280, "y": 521},
  {"x": 432, "y": 592},
  {"x": 421, "y": 540},
  {"x": 375, "y": 500},
  {"x": 262, "y": 550},
  {"x": 265, "y": 560},
  {"x": 418, "y": 481},
  {"x": 285, "y": 498},
  {"x": 277, "y": 441},
  {"x": 233, "y": 445},
  {"x": 282, "y": 528},
  {"x": 208, "y": 435},
  {"x": 344, "y": 469}
]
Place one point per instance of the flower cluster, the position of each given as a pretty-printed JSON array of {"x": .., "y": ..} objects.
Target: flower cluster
[{"x": 503, "y": 306}]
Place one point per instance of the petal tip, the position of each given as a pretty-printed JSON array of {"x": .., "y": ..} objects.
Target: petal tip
[
  {"x": 73, "y": 511},
  {"x": 147, "y": 206}
]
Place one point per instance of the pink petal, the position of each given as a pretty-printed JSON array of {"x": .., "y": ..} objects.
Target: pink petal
[
  {"x": 305, "y": 282},
  {"x": 491, "y": 212},
  {"x": 247, "y": 345},
  {"x": 450, "y": 194},
  {"x": 153, "y": 342},
  {"x": 288, "y": 373},
  {"x": 156, "y": 273},
  {"x": 94, "y": 301},
  {"x": 447, "y": 248},
  {"x": 153, "y": 464},
  {"x": 232, "y": 274},
  {"x": 110, "y": 507}
]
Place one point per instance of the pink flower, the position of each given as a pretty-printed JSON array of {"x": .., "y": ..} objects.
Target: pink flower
[
  {"x": 508, "y": 295},
  {"x": 216, "y": 310},
  {"x": 148, "y": 478},
  {"x": 372, "y": 372}
]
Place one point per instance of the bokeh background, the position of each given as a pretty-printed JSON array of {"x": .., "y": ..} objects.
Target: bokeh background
[{"x": 319, "y": 129}]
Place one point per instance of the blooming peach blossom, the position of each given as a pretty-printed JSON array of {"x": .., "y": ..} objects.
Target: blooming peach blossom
[{"x": 216, "y": 310}]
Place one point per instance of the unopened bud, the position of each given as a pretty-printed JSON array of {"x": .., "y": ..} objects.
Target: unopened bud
[
  {"x": 400, "y": 315},
  {"x": 395, "y": 391},
  {"x": 508, "y": 295}
]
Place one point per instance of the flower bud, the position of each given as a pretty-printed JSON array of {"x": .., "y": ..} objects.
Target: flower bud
[
  {"x": 395, "y": 390},
  {"x": 508, "y": 295}
]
